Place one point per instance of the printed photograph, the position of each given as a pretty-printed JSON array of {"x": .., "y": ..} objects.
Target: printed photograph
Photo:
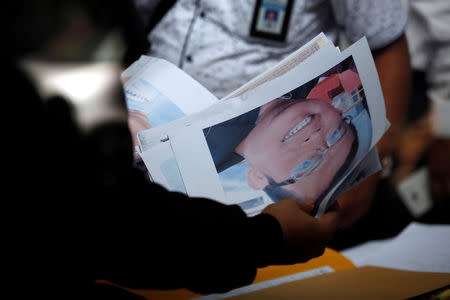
[
  {"x": 148, "y": 107},
  {"x": 298, "y": 145}
]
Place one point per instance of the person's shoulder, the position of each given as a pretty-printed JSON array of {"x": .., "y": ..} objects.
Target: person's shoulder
[{"x": 382, "y": 22}]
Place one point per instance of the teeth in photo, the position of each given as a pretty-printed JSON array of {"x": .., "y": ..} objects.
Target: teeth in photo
[{"x": 298, "y": 127}]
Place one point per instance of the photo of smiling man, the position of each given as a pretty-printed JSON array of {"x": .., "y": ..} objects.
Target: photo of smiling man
[{"x": 296, "y": 146}]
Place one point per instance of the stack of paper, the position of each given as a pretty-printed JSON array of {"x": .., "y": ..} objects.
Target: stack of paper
[{"x": 305, "y": 129}]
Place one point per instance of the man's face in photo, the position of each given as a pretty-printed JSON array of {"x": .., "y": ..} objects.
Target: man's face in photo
[{"x": 287, "y": 135}]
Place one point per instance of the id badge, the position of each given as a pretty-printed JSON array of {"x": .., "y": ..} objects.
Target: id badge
[{"x": 271, "y": 19}]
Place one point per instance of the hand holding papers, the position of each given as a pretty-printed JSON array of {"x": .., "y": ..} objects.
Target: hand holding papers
[
  {"x": 151, "y": 98},
  {"x": 302, "y": 130}
]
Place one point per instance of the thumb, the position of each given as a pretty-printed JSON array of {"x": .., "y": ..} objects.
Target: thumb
[
  {"x": 328, "y": 223},
  {"x": 306, "y": 205}
]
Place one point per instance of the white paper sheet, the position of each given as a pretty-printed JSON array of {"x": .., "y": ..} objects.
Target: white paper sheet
[
  {"x": 157, "y": 92},
  {"x": 198, "y": 164},
  {"x": 163, "y": 167},
  {"x": 419, "y": 247},
  {"x": 285, "y": 65},
  {"x": 180, "y": 88}
]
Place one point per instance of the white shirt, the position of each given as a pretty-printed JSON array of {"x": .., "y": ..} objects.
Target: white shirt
[
  {"x": 428, "y": 34},
  {"x": 210, "y": 40}
]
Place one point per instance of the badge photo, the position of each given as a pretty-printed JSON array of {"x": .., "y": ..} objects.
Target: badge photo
[{"x": 271, "y": 19}]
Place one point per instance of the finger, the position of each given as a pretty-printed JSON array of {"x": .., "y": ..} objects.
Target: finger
[
  {"x": 330, "y": 219},
  {"x": 306, "y": 205},
  {"x": 328, "y": 223}
]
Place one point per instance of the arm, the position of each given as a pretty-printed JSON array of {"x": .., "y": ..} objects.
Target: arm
[
  {"x": 383, "y": 23},
  {"x": 394, "y": 71},
  {"x": 169, "y": 240},
  {"x": 173, "y": 241}
]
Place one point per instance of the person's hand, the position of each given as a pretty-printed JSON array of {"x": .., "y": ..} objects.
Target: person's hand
[
  {"x": 413, "y": 143},
  {"x": 137, "y": 121},
  {"x": 304, "y": 236},
  {"x": 356, "y": 202},
  {"x": 409, "y": 146}
]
